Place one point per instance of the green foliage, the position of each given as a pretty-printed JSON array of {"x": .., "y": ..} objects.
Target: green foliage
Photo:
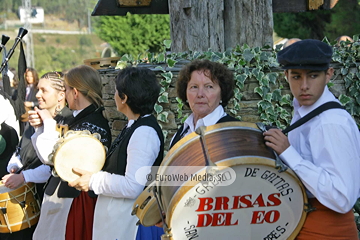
[
  {"x": 258, "y": 64},
  {"x": 134, "y": 34}
]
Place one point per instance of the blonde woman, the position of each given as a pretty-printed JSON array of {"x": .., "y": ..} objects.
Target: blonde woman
[{"x": 50, "y": 96}]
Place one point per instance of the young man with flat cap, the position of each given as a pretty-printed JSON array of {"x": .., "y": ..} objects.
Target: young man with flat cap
[{"x": 325, "y": 151}]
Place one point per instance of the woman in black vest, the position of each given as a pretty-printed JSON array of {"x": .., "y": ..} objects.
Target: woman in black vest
[
  {"x": 206, "y": 87},
  {"x": 139, "y": 146},
  {"x": 67, "y": 213},
  {"x": 51, "y": 96}
]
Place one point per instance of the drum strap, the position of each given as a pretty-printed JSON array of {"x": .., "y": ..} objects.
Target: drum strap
[{"x": 313, "y": 113}]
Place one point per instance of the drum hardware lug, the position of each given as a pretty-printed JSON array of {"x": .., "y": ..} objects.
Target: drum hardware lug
[
  {"x": 53, "y": 172},
  {"x": 309, "y": 208},
  {"x": 138, "y": 222},
  {"x": 22, "y": 204},
  {"x": 135, "y": 210},
  {"x": 145, "y": 202},
  {"x": 166, "y": 236},
  {"x": 3, "y": 210},
  {"x": 278, "y": 162}
]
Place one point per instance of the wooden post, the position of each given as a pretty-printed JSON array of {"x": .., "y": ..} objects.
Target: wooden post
[
  {"x": 250, "y": 22},
  {"x": 219, "y": 24}
]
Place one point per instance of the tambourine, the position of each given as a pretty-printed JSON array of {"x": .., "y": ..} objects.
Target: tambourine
[{"x": 77, "y": 149}]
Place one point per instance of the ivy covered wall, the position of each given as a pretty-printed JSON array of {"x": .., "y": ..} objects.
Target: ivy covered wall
[{"x": 261, "y": 93}]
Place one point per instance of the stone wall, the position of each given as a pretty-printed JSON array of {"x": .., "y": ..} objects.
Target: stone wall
[{"x": 248, "y": 111}]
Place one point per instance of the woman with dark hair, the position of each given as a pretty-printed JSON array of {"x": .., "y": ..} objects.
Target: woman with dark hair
[
  {"x": 67, "y": 213},
  {"x": 32, "y": 80},
  {"x": 206, "y": 87},
  {"x": 51, "y": 96},
  {"x": 139, "y": 146}
]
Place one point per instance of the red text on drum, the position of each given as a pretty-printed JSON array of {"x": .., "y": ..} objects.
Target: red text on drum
[{"x": 237, "y": 202}]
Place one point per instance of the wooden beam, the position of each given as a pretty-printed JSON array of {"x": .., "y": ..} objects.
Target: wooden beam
[
  {"x": 134, "y": 3},
  {"x": 111, "y": 8},
  {"x": 301, "y": 5}
]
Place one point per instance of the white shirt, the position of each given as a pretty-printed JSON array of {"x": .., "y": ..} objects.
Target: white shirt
[
  {"x": 210, "y": 119},
  {"x": 39, "y": 174},
  {"x": 7, "y": 114},
  {"x": 44, "y": 139},
  {"x": 142, "y": 150},
  {"x": 325, "y": 154}
]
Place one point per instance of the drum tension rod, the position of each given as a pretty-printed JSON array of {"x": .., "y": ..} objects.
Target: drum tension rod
[
  {"x": 167, "y": 235},
  {"x": 278, "y": 162},
  {"x": 211, "y": 167}
]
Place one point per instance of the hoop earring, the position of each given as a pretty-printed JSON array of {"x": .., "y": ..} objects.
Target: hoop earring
[{"x": 58, "y": 109}]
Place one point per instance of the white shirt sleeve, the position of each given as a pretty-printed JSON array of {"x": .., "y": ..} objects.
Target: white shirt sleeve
[
  {"x": 332, "y": 174},
  {"x": 44, "y": 139},
  {"x": 142, "y": 150},
  {"x": 14, "y": 162},
  {"x": 37, "y": 175}
]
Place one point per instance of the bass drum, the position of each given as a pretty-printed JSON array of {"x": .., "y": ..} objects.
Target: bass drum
[{"x": 258, "y": 203}]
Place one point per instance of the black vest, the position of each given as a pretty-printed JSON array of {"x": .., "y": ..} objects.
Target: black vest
[
  {"x": 117, "y": 161},
  {"x": 88, "y": 119},
  {"x": 178, "y": 135},
  {"x": 11, "y": 138}
]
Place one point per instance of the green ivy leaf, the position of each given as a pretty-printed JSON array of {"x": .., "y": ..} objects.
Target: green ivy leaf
[
  {"x": 259, "y": 91},
  {"x": 158, "y": 108},
  {"x": 168, "y": 76},
  {"x": 167, "y": 43},
  {"x": 272, "y": 77},
  {"x": 159, "y": 68},
  {"x": 126, "y": 58},
  {"x": 276, "y": 96},
  {"x": 163, "y": 117},
  {"x": 248, "y": 55},
  {"x": 164, "y": 98},
  {"x": 268, "y": 97},
  {"x": 344, "y": 99},
  {"x": 344, "y": 71},
  {"x": 264, "y": 105},
  {"x": 161, "y": 58},
  {"x": 171, "y": 62}
]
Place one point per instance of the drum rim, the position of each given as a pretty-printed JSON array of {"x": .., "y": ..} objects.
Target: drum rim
[
  {"x": 182, "y": 143},
  {"x": 243, "y": 160},
  {"x": 141, "y": 214},
  {"x": 63, "y": 141}
]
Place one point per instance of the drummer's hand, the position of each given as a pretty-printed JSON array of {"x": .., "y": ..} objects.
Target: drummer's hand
[
  {"x": 160, "y": 224},
  {"x": 277, "y": 140},
  {"x": 82, "y": 183},
  {"x": 34, "y": 118},
  {"x": 13, "y": 181}
]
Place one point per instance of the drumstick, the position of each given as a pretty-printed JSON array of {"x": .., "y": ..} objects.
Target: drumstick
[
  {"x": 166, "y": 235},
  {"x": 200, "y": 131}
]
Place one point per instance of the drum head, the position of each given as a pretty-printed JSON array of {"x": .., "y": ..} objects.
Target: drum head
[
  {"x": 4, "y": 189},
  {"x": 79, "y": 151},
  {"x": 145, "y": 207},
  {"x": 261, "y": 203}
]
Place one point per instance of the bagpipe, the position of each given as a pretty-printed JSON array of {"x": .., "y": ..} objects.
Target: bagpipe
[
  {"x": 7, "y": 132},
  {"x": 22, "y": 32}
]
